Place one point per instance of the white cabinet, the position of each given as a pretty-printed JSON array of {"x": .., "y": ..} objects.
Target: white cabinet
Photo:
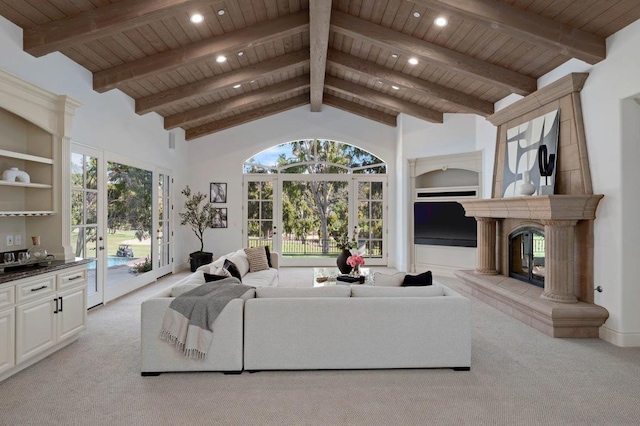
[
  {"x": 35, "y": 328},
  {"x": 49, "y": 312},
  {"x": 7, "y": 340}
]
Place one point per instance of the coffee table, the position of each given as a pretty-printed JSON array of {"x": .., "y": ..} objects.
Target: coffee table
[{"x": 332, "y": 273}]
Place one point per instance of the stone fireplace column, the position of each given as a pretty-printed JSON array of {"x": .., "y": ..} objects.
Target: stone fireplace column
[
  {"x": 559, "y": 261},
  {"x": 486, "y": 253}
]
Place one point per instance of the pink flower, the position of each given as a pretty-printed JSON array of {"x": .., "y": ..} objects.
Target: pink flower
[{"x": 355, "y": 259}]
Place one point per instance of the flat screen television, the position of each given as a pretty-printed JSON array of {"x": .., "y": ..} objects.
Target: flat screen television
[{"x": 443, "y": 224}]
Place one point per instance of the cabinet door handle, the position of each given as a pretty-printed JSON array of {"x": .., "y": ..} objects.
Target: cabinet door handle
[
  {"x": 39, "y": 288},
  {"x": 74, "y": 278},
  {"x": 56, "y": 311},
  {"x": 60, "y": 303}
]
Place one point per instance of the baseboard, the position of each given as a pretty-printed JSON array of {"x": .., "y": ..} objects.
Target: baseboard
[{"x": 624, "y": 340}]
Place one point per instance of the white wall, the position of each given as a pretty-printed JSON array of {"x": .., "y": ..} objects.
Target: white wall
[
  {"x": 610, "y": 139},
  {"x": 219, "y": 157},
  {"x": 105, "y": 121}
]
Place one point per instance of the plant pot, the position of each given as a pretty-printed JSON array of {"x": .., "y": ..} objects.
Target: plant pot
[
  {"x": 341, "y": 261},
  {"x": 199, "y": 258}
]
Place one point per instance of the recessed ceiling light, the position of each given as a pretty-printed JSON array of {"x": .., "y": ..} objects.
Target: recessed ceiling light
[
  {"x": 253, "y": 81},
  {"x": 413, "y": 61},
  {"x": 441, "y": 21},
  {"x": 220, "y": 59},
  {"x": 237, "y": 86},
  {"x": 240, "y": 53},
  {"x": 395, "y": 87},
  {"x": 394, "y": 55},
  {"x": 416, "y": 14},
  {"x": 378, "y": 82},
  {"x": 196, "y": 18},
  {"x": 221, "y": 12}
]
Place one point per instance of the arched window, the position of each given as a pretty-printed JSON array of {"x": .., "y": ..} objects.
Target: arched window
[
  {"x": 303, "y": 196},
  {"x": 315, "y": 156}
]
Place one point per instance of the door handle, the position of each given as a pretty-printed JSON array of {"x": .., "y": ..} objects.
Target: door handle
[
  {"x": 101, "y": 248},
  {"x": 56, "y": 311},
  {"x": 60, "y": 303}
]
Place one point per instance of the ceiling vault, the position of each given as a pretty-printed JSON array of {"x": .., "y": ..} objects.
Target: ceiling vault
[{"x": 248, "y": 59}]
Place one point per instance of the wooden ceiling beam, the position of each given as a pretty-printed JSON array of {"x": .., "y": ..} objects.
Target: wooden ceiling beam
[
  {"x": 102, "y": 22},
  {"x": 383, "y": 100},
  {"x": 228, "y": 105},
  {"x": 255, "y": 114},
  {"x": 319, "y": 22},
  {"x": 442, "y": 57},
  {"x": 361, "y": 110},
  {"x": 527, "y": 26},
  {"x": 225, "y": 44},
  {"x": 224, "y": 81},
  {"x": 443, "y": 94}
]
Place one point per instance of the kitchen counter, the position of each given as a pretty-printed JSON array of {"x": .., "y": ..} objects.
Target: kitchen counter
[{"x": 33, "y": 271}]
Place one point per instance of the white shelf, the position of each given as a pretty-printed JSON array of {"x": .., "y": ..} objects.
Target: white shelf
[
  {"x": 26, "y": 213},
  {"x": 26, "y": 157},
  {"x": 25, "y": 185}
]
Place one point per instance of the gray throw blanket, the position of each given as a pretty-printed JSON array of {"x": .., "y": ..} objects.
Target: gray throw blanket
[{"x": 188, "y": 322}]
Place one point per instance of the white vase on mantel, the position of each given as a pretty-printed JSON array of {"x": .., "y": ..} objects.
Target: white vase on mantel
[{"x": 526, "y": 187}]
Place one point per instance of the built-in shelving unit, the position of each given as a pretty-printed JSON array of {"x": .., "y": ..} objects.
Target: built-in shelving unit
[
  {"x": 35, "y": 127},
  {"x": 443, "y": 178}
]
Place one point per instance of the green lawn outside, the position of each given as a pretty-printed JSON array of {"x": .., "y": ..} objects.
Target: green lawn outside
[{"x": 141, "y": 249}]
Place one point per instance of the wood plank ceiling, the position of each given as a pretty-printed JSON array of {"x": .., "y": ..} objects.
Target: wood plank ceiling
[{"x": 350, "y": 54}]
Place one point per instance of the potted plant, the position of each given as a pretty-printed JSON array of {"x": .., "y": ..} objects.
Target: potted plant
[
  {"x": 199, "y": 218},
  {"x": 345, "y": 245}
]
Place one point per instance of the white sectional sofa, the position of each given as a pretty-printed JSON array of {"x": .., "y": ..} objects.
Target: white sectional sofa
[
  {"x": 226, "y": 351},
  {"x": 361, "y": 327},
  {"x": 333, "y": 327}
]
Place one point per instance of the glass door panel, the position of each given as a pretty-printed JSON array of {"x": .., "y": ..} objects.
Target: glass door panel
[
  {"x": 164, "y": 232},
  {"x": 314, "y": 212},
  {"x": 261, "y": 230},
  {"x": 129, "y": 221},
  {"x": 370, "y": 202},
  {"x": 85, "y": 217}
]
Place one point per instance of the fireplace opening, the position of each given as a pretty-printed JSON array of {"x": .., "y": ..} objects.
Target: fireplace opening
[{"x": 526, "y": 256}]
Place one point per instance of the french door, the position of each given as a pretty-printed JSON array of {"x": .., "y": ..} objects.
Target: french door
[
  {"x": 118, "y": 206},
  {"x": 299, "y": 214},
  {"x": 260, "y": 212},
  {"x": 87, "y": 217}
]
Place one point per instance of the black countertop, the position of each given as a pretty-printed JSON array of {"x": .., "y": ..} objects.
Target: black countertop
[{"x": 32, "y": 271}]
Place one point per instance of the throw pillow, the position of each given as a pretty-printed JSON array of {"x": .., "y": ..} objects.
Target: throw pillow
[
  {"x": 388, "y": 280},
  {"x": 212, "y": 277},
  {"x": 233, "y": 269},
  {"x": 418, "y": 280},
  {"x": 257, "y": 258},
  {"x": 268, "y": 253},
  {"x": 241, "y": 262}
]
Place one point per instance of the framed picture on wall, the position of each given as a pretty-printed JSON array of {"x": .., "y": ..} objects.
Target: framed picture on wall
[
  {"x": 219, "y": 218},
  {"x": 218, "y": 192}
]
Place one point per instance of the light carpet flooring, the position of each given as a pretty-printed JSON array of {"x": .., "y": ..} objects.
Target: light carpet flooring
[{"x": 519, "y": 376}]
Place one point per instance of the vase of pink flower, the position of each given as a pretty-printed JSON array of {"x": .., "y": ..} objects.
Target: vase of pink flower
[{"x": 355, "y": 261}]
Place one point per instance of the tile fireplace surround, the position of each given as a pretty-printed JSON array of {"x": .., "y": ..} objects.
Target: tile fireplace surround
[{"x": 555, "y": 310}]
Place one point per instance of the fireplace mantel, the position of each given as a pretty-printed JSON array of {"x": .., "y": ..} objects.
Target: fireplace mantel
[{"x": 543, "y": 207}]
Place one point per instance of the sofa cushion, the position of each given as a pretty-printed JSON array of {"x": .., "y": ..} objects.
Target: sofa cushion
[
  {"x": 266, "y": 278},
  {"x": 232, "y": 268},
  {"x": 418, "y": 280},
  {"x": 192, "y": 281},
  {"x": 388, "y": 280},
  {"x": 294, "y": 292},
  {"x": 257, "y": 258},
  {"x": 268, "y": 253},
  {"x": 369, "y": 291}
]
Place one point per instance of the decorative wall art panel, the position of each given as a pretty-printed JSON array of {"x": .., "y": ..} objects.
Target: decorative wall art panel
[{"x": 531, "y": 156}]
